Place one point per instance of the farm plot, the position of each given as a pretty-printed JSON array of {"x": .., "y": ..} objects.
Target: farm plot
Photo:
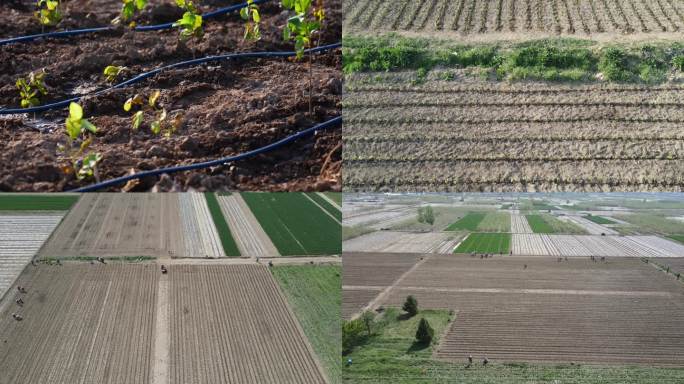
[
  {"x": 665, "y": 247},
  {"x": 538, "y": 310},
  {"x": 600, "y": 219},
  {"x": 594, "y": 245},
  {"x": 21, "y": 236},
  {"x": 37, "y": 202},
  {"x": 590, "y": 226},
  {"x": 251, "y": 337},
  {"x": 676, "y": 264},
  {"x": 469, "y": 222},
  {"x": 495, "y": 222},
  {"x": 516, "y": 19},
  {"x": 119, "y": 225},
  {"x": 519, "y": 223},
  {"x": 295, "y": 224},
  {"x": 200, "y": 234},
  {"x": 403, "y": 242},
  {"x": 81, "y": 323},
  {"x": 524, "y": 136},
  {"x": 250, "y": 237},
  {"x": 498, "y": 243},
  {"x": 224, "y": 108},
  {"x": 379, "y": 219}
]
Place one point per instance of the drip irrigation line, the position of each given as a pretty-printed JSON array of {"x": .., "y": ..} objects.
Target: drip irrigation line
[
  {"x": 182, "y": 64},
  {"x": 142, "y": 28},
  {"x": 157, "y": 172}
]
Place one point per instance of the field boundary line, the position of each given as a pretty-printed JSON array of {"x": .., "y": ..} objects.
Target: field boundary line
[
  {"x": 162, "y": 351},
  {"x": 329, "y": 200},
  {"x": 540, "y": 291},
  {"x": 385, "y": 293},
  {"x": 322, "y": 209}
]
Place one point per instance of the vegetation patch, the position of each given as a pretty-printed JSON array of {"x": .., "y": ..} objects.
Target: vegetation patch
[
  {"x": 227, "y": 241},
  {"x": 648, "y": 222},
  {"x": 599, "y": 219},
  {"x": 13, "y": 202},
  {"x": 315, "y": 295},
  {"x": 495, "y": 221},
  {"x": 350, "y": 232},
  {"x": 331, "y": 209},
  {"x": 469, "y": 222},
  {"x": 679, "y": 238},
  {"x": 334, "y": 196},
  {"x": 538, "y": 224},
  {"x": 545, "y": 223},
  {"x": 497, "y": 243},
  {"x": 295, "y": 224}
]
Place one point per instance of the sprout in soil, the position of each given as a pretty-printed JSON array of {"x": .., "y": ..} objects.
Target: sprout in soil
[
  {"x": 160, "y": 123},
  {"x": 128, "y": 10},
  {"x": 190, "y": 25},
  {"x": 48, "y": 12},
  {"x": 111, "y": 72},
  {"x": 79, "y": 131},
  {"x": 31, "y": 88},
  {"x": 252, "y": 18},
  {"x": 301, "y": 27}
]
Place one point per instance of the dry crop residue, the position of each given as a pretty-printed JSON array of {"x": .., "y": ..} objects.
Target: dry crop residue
[
  {"x": 231, "y": 324},
  {"x": 81, "y": 324},
  {"x": 229, "y": 107},
  {"x": 517, "y": 19},
  {"x": 541, "y": 310},
  {"x": 594, "y": 245},
  {"x": 478, "y": 135}
]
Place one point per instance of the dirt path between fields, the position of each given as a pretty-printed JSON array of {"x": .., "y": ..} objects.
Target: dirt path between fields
[{"x": 160, "y": 362}]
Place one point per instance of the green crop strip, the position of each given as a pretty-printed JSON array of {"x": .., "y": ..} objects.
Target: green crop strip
[
  {"x": 12, "y": 202},
  {"x": 538, "y": 224},
  {"x": 334, "y": 196},
  {"x": 326, "y": 205},
  {"x": 227, "y": 241},
  {"x": 599, "y": 219},
  {"x": 468, "y": 222},
  {"x": 498, "y": 243},
  {"x": 295, "y": 224},
  {"x": 678, "y": 238}
]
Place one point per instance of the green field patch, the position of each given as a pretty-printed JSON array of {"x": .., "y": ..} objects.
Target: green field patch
[
  {"x": 497, "y": 243},
  {"x": 495, "y": 222},
  {"x": 648, "y": 222},
  {"x": 295, "y": 224},
  {"x": 55, "y": 202},
  {"x": 334, "y": 196},
  {"x": 467, "y": 222},
  {"x": 538, "y": 224},
  {"x": 678, "y": 238},
  {"x": 227, "y": 240},
  {"x": 331, "y": 209},
  {"x": 599, "y": 219},
  {"x": 315, "y": 295}
]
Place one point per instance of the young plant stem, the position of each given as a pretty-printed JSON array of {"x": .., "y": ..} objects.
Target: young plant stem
[{"x": 311, "y": 84}]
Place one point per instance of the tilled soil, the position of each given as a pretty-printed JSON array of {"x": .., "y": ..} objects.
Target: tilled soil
[{"x": 228, "y": 108}]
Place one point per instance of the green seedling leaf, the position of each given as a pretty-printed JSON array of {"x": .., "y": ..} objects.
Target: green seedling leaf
[
  {"x": 137, "y": 119},
  {"x": 88, "y": 164},
  {"x": 75, "y": 112},
  {"x": 30, "y": 88},
  {"x": 153, "y": 98}
]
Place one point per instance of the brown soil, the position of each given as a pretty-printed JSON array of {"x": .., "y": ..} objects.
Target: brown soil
[{"x": 228, "y": 108}]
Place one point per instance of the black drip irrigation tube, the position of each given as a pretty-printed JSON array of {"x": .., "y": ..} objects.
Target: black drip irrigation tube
[
  {"x": 182, "y": 64},
  {"x": 142, "y": 28},
  {"x": 270, "y": 147}
]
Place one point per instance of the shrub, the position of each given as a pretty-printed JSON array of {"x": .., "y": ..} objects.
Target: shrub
[
  {"x": 614, "y": 66},
  {"x": 678, "y": 62},
  {"x": 425, "y": 333},
  {"x": 410, "y": 306},
  {"x": 352, "y": 334}
]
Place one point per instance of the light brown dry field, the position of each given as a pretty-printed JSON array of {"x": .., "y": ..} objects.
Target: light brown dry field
[
  {"x": 232, "y": 324},
  {"x": 474, "y": 134},
  {"x": 366, "y": 275},
  {"x": 82, "y": 324},
  {"x": 621, "y": 311},
  {"x": 676, "y": 264},
  {"x": 486, "y": 20},
  {"x": 118, "y": 225}
]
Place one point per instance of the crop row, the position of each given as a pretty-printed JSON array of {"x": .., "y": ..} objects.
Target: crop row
[
  {"x": 493, "y": 243},
  {"x": 497, "y": 16},
  {"x": 200, "y": 234},
  {"x": 251, "y": 239},
  {"x": 594, "y": 245}
]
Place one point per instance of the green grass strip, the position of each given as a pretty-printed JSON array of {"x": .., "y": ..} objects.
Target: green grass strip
[
  {"x": 315, "y": 295},
  {"x": 538, "y": 224},
  {"x": 326, "y": 205},
  {"x": 599, "y": 219},
  {"x": 227, "y": 241},
  {"x": 468, "y": 222},
  {"x": 678, "y": 238},
  {"x": 295, "y": 224},
  {"x": 497, "y": 243},
  {"x": 335, "y": 196},
  {"x": 55, "y": 202}
]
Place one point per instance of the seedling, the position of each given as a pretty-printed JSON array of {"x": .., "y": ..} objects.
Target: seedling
[
  {"x": 190, "y": 25},
  {"x": 111, "y": 72},
  {"x": 48, "y": 12},
  {"x": 31, "y": 88},
  {"x": 150, "y": 107},
  {"x": 252, "y": 18},
  {"x": 128, "y": 11},
  {"x": 79, "y": 129}
]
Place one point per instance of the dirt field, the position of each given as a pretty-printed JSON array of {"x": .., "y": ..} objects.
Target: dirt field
[
  {"x": 199, "y": 230},
  {"x": 472, "y": 134},
  {"x": 228, "y": 108},
  {"x": 676, "y": 264},
  {"x": 620, "y": 311},
  {"x": 251, "y": 337},
  {"x": 117, "y": 225},
  {"x": 21, "y": 236},
  {"x": 82, "y": 324},
  {"x": 247, "y": 232},
  {"x": 594, "y": 245},
  {"x": 403, "y": 242},
  {"x": 517, "y": 19},
  {"x": 382, "y": 218}
]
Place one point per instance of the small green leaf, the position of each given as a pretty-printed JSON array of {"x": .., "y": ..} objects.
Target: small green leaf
[
  {"x": 156, "y": 127},
  {"x": 73, "y": 128},
  {"x": 75, "y": 112},
  {"x": 137, "y": 119},
  {"x": 88, "y": 126},
  {"x": 153, "y": 98}
]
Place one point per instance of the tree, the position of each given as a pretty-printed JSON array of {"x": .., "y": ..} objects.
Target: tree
[
  {"x": 425, "y": 333},
  {"x": 421, "y": 215},
  {"x": 410, "y": 306},
  {"x": 367, "y": 319},
  {"x": 429, "y": 215},
  {"x": 352, "y": 334}
]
